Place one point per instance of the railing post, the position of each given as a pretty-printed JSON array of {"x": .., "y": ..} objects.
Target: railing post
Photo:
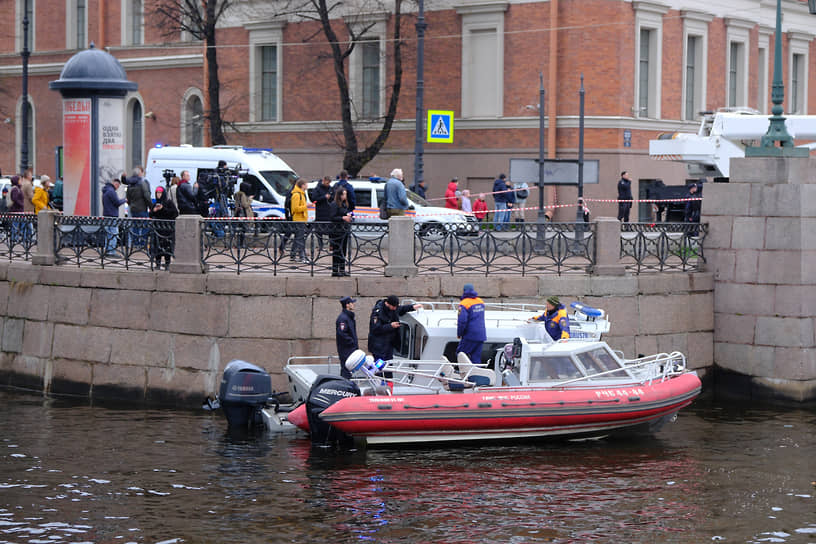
[
  {"x": 187, "y": 253},
  {"x": 607, "y": 247},
  {"x": 401, "y": 247},
  {"x": 44, "y": 255}
]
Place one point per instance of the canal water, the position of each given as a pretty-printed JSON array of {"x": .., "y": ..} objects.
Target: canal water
[{"x": 77, "y": 473}]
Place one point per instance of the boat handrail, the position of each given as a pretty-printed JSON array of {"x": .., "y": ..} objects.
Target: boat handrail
[
  {"x": 668, "y": 364},
  {"x": 454, "y": 304},
  {"x": 313, "y": 359}
]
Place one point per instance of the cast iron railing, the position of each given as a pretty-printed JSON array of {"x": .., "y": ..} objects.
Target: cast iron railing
[
  {"x": 658, "y": 247},
  {"x": 18, "y": 236},
  {"x": 278, "y": 247},
  {"x": 113, "y": 242},
  {"x": 526, "y": 248}
]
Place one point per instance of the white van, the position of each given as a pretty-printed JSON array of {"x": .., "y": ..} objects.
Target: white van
[{"x": 270, "y": 177}]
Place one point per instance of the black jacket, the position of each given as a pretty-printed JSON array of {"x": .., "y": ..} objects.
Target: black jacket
[
  {"x": 138, "y": 195},
  {"x": 624, "y": 190},
  {"x": 382, "y": 338},
  {"x": 352, "y": 200},
  {"x": 322, "y": 204},
  {"x": 186, "y": 199},
  {"x": 346, "y": 335}
]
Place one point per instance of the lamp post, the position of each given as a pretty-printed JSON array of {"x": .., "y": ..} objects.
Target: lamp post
[
  {"x": 579, "y": 212},
  {"x": 777, "y": 132},
  {"x": 542, "y": 216},
  {"x": 420, "y": 28},
  {"x": 24, "y": 121},
  {"x": 541, "y": 223}
]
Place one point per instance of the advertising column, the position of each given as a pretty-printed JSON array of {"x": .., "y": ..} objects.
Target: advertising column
[{"x": 76, "y": 131}]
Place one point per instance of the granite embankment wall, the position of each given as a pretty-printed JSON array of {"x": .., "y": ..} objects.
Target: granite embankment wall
[{"x": 165, "y": 338}]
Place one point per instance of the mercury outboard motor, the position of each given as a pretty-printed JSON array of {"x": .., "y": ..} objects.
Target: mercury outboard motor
[
  {"x": 245, "y": 390},
  {"x": 325, "y": 391}
]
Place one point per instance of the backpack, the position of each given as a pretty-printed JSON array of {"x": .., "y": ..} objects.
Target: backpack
[{"x": 287, "y": 205}]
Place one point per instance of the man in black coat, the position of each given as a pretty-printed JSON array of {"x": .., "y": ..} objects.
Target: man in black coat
[
  {"x": 383, "y": 329},
  {"x": 346, "y": 333},
  {"x": 322, "y": 195},
  {"x": 624, "y": 195}
]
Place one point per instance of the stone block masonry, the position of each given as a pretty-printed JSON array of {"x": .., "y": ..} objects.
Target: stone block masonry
[
  {"x": 763, "y": 257},
  {"x": 164, "y": 338}
]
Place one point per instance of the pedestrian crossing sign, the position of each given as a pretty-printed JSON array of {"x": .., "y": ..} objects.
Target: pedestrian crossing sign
[{"x": 440, "y": 126}]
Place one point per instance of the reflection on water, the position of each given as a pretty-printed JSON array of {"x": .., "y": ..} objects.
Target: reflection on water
[{"x": 72, "y": 473}]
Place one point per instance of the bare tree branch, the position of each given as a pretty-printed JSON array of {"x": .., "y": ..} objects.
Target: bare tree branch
[{"x": 199, "y": 18}]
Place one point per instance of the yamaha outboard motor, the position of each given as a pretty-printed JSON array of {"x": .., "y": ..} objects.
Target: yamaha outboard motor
[
  {"x": 245, "y": 390},
  {"x": 325, "y": 391}
]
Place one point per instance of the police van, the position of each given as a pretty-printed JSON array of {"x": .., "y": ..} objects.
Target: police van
[
  {"x": 432, "y": 220},
  {"x": 270, "y": 177}
]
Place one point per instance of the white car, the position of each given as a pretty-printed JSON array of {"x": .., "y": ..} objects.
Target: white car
[{"x": 369, "y": 192}]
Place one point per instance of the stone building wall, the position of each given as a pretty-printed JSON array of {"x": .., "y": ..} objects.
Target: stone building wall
[{"x": 165, "y": 338}]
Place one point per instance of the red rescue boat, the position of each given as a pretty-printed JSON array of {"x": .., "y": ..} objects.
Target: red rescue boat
[{"x": 577, "y": 389}]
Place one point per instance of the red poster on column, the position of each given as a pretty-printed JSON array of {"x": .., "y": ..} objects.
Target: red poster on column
[{"x": 76, "y": 135}]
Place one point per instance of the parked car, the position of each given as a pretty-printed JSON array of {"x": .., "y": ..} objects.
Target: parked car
[{"x": 432, "y": 219}]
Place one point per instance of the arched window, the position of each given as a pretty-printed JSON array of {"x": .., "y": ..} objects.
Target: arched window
[
  {"x": 135, "y": 133},
  {"x": 193, "y": 121}
]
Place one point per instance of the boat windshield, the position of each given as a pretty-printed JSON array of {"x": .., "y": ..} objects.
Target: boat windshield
[
  {"x": 559, "y": 367},
  {"x": 599, "y": 360}
]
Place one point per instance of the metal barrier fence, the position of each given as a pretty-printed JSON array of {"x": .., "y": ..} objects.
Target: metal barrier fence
[
  {"x": 111, "y": 242},
  {"x": 322, "y": 249},
  {"x": 278, "y": 247},
  {"x": 524, "y": 248},
  {"x": 18, "y": 236},
  {"x": 658, "y": 247}
]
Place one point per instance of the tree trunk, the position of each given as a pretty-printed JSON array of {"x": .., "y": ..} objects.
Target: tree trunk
[{"x": 214, "y": 115}]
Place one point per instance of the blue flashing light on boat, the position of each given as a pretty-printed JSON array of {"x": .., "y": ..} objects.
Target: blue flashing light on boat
[{"x": 589, "y": 311}]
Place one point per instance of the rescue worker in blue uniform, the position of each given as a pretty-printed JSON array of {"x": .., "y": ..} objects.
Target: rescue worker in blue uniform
[
  {"x": 346, "y": 333},
  {"x": 470, "y": 327},
  {"x": 555, "y": 319}
]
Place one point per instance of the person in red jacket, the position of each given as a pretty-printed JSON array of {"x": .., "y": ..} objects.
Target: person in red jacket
[
  {"x": 480, "y": 208},
  {"x": 451, "y": 198}
]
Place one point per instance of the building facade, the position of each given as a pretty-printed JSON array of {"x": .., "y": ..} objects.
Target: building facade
[{"x": 648, "y": 67}]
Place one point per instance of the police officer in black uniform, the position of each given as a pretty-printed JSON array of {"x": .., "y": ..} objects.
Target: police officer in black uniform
[
  {"x": 346, "y": 333},
  {"x": 383, "y": 329}
]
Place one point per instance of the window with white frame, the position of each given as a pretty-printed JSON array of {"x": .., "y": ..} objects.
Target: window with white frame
[
  {"x": 265, "y": 77},
  {"x": 19, "y": 24},
  {"x": 132, "y": 22},
  {"x": 762, "y": 70},
  {"x": 29, "y": 128},
  {"x": 192, "y": 118},
  {"x": 736, "y": 72},
  {"x": 371, "y": 106},
  {"x": 797, "y": 79},
  {"x": 649, "y": 58},
  {"x": 695, "y": 30},
  {"x": 76, "y": 24},
  {"x": 366, "y": 68},
  {"x": 483, "y": 59}
]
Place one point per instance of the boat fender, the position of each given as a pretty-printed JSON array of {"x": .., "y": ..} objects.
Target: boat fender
[{"x": 358, "y": 360}]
